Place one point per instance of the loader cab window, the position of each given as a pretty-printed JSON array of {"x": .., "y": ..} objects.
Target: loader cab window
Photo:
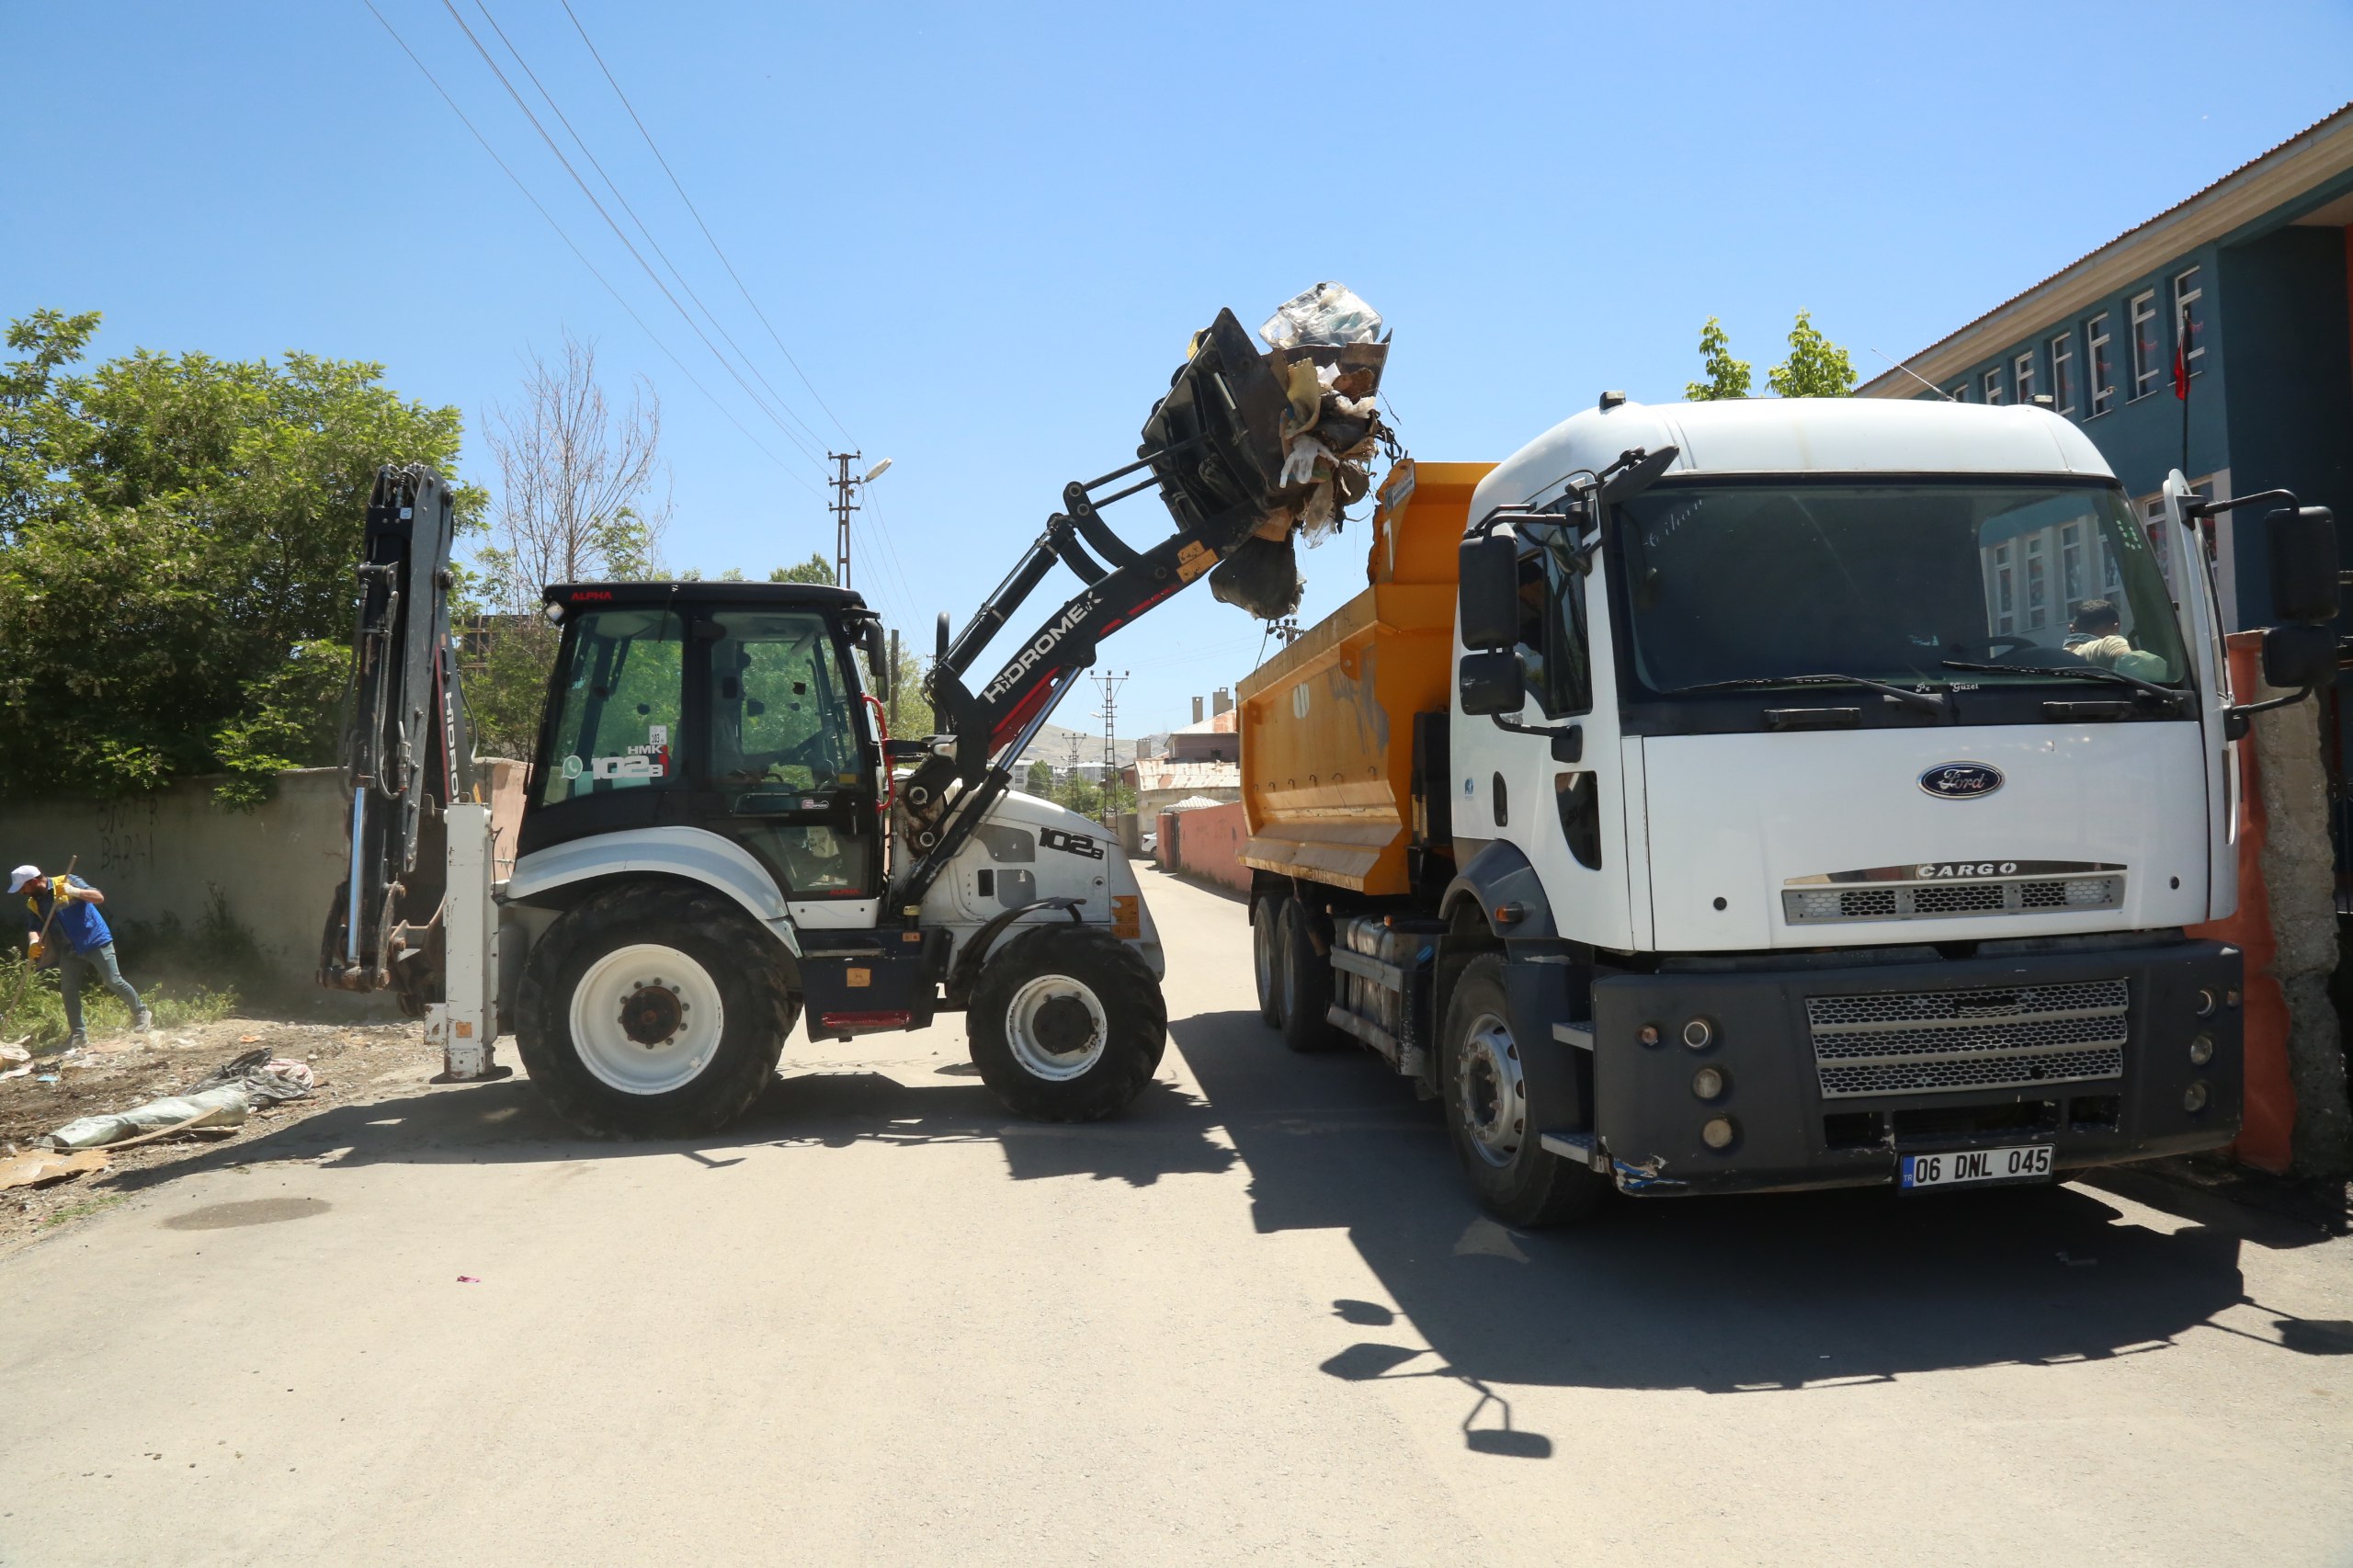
[
  {"x": 619, "y": 710},
  {"x": 784, "y": 753},
  {"x": 780, "y": 709},
  {"x": 1553, "y": 644}
]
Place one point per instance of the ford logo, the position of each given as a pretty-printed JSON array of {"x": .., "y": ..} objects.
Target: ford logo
[{"x": 1960, "y": 780}]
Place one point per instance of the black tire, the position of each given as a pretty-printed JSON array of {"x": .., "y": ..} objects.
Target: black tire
[
  {"x": 728, "y": 955},
  {"x": 1015, "y": 1031},
  {"x": 1494, "y": 1123},
  {"x": 1265, "y": 958},
  {"x": 1306, "y": 983}
]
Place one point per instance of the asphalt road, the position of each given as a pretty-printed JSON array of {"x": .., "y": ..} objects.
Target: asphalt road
[{"x": 1257, "y": 1320}]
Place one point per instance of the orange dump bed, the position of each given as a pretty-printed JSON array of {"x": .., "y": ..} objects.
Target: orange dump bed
[{"x": 1327, "y": 725}]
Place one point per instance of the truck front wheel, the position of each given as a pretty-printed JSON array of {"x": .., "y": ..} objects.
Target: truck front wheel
[
  {"x": 1066, "y": 1023},
  {"x": 1498, "y": 1102},
  {"x": 652, "y": 1011}
]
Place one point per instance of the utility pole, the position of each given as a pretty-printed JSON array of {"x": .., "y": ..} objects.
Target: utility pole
[
  {"x": 1111, "y": 681},
  {"x": 842, "y": 507}
]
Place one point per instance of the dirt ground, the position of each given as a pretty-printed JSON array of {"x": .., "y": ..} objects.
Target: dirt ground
[{"x": 349, "y": 1060}]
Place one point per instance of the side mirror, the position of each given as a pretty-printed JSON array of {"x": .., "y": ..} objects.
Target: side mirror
[
  {"x": 1492, "y": 683},
  {"x": 1486, "y": 604},
  {"x": 2303, "y": 565},
  {"x": 2297, "y": 657},
  {"x": 876, "y": 643}
]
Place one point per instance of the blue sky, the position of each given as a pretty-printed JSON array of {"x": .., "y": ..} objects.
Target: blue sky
[{"x": 984, "y": 233}]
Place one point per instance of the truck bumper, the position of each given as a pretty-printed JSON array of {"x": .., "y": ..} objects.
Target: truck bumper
[{"x": 1830, "y": 1075}]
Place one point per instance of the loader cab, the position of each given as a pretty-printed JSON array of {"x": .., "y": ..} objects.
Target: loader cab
[{"x": 737, "y": 708}]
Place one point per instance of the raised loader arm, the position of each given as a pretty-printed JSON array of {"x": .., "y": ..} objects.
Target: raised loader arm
[{"x": 1214, "y": 445}]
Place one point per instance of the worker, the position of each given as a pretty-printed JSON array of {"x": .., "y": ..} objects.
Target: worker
[
  {"x": 2097, "y": 634},
  {"x": 63, "y": 913},
  {"x": 2097, "y": 637}
]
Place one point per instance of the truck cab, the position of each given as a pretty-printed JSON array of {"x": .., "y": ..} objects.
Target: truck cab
[{"x": 1865, "y": 851}]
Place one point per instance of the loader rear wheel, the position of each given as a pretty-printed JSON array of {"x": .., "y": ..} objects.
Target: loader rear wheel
[
  {"x": 1265, "y": 958},
  {"x": 654, "y": 1010},
  {"x": 1306, "y": 983},
  {"x": 1499, "y": 1099},
  {"x": 1066, "y": 1023}
]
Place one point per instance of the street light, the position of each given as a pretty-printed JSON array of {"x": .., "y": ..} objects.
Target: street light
[{"x": 876, "y": 472}]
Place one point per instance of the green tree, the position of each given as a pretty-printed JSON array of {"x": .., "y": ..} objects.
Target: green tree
[
  {"x": 816, "y": 569},
  {"x": 172, "y": 529},
  {"x": 1040, "y": 780},
  {"x": 1816, "y": 368},
  {"x": 1727, "y": 377}
]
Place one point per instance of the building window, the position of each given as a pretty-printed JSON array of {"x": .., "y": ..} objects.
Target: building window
[
  {"x": 2189, "y": 318},
  {"x": 2146, "y": 349},
  {"x": 1992, "y": 383},
  {"x": 2063, "y": 372},
  {"x": 2070, "y": 566},
  {"x": 1960, "y": 394},
  {"x": 2038, "y": 586},
  {"x": 2111, "y": 575},
  {"x": 2005, "y": 592},
  {"x": 2022, "y": 376},
  {"x": 2102, "y": 364}
]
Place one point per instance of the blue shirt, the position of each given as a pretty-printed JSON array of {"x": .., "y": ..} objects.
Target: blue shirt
[{"x": 84, "y": 928}]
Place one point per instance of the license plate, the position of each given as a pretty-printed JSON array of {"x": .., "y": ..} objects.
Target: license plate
[{"x": 2028, "y": 1162}]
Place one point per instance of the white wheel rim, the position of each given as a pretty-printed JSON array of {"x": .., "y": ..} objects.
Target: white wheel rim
[
  {"x": 1039, "y": 1027},
  {"x": 1262, "y": 955},
  {"x": 666, "y": 998},
  {"x": 1491, "y": 1092}
]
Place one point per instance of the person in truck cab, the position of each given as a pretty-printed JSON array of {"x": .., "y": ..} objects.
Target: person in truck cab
[
  {"x": 2097, "y": 637},
  {"x": 68, "y": 930}
]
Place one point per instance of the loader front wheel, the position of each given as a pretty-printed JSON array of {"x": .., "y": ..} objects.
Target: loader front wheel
[
  {"x": 654, "y": 1010},
  {"x": 1066, "y": 1023}
]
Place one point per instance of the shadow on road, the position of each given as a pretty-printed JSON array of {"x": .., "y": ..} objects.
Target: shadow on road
[
  {"x": 1165, "y": 1132},
  {"x": 1725, "y": 1294}
]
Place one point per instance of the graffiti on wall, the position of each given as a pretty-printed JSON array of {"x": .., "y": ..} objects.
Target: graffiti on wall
[{"x": 124, "y": 843}]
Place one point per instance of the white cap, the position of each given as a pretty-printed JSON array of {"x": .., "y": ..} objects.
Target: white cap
[{"x": 21, "y": 875}]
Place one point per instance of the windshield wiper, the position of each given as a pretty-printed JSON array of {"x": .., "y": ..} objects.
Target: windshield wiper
[
  {"x": 2173, "y": 696},
  {"x": 1926, "y": 701}
]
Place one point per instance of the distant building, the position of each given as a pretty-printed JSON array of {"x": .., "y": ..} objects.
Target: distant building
[
  {"x": 1160, "y": 783},
  {"x": 2260, "y": 264}
]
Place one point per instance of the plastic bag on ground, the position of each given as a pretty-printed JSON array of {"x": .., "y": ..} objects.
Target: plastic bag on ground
[
  {"x": 1260, "y": 577},
  {"x": 1329, "y": 312},
  {"x": 228, "y": 1105}
]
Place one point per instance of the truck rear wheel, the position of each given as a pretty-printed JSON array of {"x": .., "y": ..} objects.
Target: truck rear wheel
[
  {"x": 1305, "y": 989},
  {"x": 1498, "y": 1103},
  {"x": 1066, "y": 1023},
  {"x": 1265, "y": 958},
  {"x": 652, "y": 1011}
]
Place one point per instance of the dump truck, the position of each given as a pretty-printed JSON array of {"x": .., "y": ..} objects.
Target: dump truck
[{"x": 1773, "y": 794}]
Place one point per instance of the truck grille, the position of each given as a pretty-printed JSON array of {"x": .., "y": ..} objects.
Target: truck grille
[
  {"x": 1922, "y": 901},
  {"x": 1925, "y": 1042}
]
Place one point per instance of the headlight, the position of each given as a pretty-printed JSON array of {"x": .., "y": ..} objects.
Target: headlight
[
  {"x": 1708, "y": 1083},
  {"x": 2201, "y": 1050},
  {"x": 1719, "y": 1133},
  {"x": 2194, "y": 1097}
]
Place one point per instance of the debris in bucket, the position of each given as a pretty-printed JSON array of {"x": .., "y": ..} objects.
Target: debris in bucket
[
  {"x": 1326, "y": 355},
  {"x": 468, "y": 1279}
]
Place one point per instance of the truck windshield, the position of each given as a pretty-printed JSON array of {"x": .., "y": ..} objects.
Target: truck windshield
[{"x": 1753, "y": 581}]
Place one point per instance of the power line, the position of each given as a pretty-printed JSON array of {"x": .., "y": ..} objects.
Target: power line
[
  {"x": 581, "y": 142},
  {"x": 635, "y": 255},
  {"x": 1111, "y": 681},
  {"x": 540, "y": 209},
  {"x": 707, "y": 234}
]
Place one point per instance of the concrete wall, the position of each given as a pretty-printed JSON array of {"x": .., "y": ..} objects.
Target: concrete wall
[
  {"x": 1209, "y": 844},
  {"x": 163, "y": 854}
]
